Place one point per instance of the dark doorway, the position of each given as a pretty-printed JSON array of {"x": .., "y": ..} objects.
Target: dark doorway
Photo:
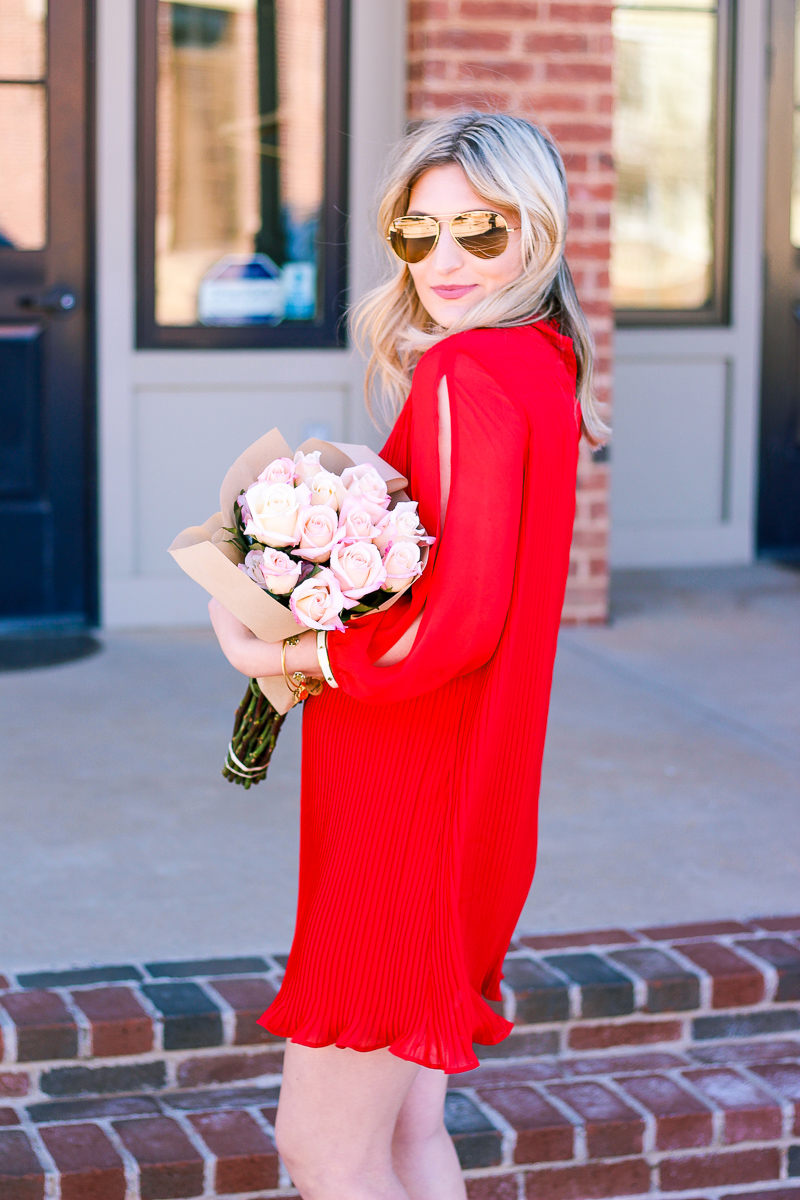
[
  {"x": 779, "y": 468},
  {"x": 47, "y": 551}
]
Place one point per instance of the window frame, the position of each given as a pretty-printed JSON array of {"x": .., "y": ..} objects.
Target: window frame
[
  {"x": 327, "y": 331},
  {"x": 717, "y": 310}
]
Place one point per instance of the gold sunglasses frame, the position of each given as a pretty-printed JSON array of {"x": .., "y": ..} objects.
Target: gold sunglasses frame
[{"x": 449, "y": 221}]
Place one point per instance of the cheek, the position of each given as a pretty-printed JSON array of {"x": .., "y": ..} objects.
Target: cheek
[
  {"x": 418, "y": 273},
  {"x": 497, "y": 272}
]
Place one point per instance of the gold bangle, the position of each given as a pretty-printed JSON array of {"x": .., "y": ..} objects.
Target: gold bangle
[
  {"x": 294, "y": 640},
  {"x": 323, "y": 658},
  {"x": 305, "y": 685}
]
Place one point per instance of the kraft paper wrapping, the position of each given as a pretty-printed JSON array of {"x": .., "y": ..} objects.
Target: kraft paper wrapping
[{"x": 207, "y": 557}]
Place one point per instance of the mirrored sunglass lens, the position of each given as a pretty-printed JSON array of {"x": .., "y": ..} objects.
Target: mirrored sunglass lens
[
  {"x": 413, "y": 238},
  {"x": 483, "y": 234}
]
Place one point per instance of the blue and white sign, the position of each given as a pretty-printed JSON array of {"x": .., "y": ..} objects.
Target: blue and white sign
[
  {"x": 241, "y": 289},
  {"x": 300, "y": 291}
]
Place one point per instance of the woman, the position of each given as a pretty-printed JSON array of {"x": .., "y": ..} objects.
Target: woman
[{"x": 421, "y": 766}]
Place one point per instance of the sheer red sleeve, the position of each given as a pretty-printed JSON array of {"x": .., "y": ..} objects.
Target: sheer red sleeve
[{"x": 466, "y": 588}]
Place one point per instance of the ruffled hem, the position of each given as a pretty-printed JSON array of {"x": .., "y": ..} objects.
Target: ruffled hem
[{"x": 418, "y": 1046}]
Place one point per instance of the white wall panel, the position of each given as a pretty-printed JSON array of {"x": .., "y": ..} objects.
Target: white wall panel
[
  {"x": 185, "y": 442},
  {"x": 670, "y": 445}
]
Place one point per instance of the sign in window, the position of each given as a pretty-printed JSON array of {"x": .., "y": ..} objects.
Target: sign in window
[{"x": 242, "y": 173}]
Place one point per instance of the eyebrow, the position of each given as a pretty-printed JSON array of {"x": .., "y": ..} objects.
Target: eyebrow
[{"x": 443, "y": 216}]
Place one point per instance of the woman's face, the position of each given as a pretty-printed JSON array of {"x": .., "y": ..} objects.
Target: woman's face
[{"x": 451, "y": 280}]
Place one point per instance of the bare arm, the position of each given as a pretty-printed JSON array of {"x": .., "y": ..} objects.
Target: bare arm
[{"x": 255, "y": 658}]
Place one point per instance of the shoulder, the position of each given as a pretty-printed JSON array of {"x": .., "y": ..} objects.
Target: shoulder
[{"x": 501, "y": 353}]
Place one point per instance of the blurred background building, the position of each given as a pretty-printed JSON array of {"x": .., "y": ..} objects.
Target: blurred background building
[{"x": 186, "y": 206}]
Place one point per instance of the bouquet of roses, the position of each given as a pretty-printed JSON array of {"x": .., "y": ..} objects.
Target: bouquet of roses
[{"x": 304, "y": 541}]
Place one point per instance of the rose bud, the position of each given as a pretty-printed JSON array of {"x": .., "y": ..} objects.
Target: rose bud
[
  {"x": 272, "y": 569},
  {"x": 402, "y": 564},
  {"x": 364, "y": 481},
  {"x": 358, "y": 569},
  {"x": 280, "y": 470},
  {"x": 244, "y": 508},
  {"x": 274, "y": 513},
  {"x": 306, "y": 466},
  {"x": 318, "y": 532},
  {"x": 401, "y": 524},
  {"x": 357, "y": 519},
  {"x": 318, "y": 601},
  {"x": 327, "y": 488}
]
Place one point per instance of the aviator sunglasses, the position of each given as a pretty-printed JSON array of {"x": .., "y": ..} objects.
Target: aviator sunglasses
[{"x": 482, "y": 233}]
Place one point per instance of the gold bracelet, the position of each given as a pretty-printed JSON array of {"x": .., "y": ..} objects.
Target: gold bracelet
[
  {"x": 304, "y": 685},
  {"x": 323, "y": 658},
  {"x": 294, "y": 640}
]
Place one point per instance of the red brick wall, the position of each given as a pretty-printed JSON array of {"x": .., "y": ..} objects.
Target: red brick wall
[{"x": 550, "y": 61}]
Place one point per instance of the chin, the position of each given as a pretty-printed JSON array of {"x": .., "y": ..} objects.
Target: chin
[{"x": 446, "y": 315}]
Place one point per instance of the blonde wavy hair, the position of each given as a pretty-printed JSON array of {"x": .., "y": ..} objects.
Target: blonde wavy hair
[{"x": 512, "y": 164}]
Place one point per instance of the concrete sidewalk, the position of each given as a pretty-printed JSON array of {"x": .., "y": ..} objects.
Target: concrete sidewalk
[{"x": 671, "y": 785}]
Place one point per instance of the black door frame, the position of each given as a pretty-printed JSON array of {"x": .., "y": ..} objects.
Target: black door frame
[
  {"x": 778, "y": 532},
  {"x": 68, "y": 261}
]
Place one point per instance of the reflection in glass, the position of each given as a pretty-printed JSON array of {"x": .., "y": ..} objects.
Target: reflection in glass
[
  {"x": 22, "y": 166},
  {"x": 22, "y": 39},
  {"x": 664, "y": 149},
  {"x": 239, "y": 161}
]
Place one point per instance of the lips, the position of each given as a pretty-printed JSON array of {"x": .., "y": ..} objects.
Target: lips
[{"x": 452, "y": 291}]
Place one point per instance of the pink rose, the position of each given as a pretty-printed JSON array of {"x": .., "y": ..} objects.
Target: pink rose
[
  {"x": 364, "y": 481},
  {"x": 280, "y": 470},
  {"x": 318, "y": 601},
  {"x": 275, "y": 512},
  {"x": 327, "y": 488},
  {"x": 272, "y": 569},
  {"x": 401, "y": 524},
  {"x": 357, "y": 519},
  {"x": 318, "y": 530},
  {"x": 358, "y": 570},
  {"x": 402, "y": 564},
  {"x": 306, "y": 466}
]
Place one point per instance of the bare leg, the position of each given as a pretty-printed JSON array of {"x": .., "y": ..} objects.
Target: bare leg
[
  {"x": 336, "y": 1118},
  {"x": 424, "y": 1156}
]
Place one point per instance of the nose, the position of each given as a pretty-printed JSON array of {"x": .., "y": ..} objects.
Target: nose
[{"x": 448, "y": 255}]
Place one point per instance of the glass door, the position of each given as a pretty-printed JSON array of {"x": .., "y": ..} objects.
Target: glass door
[{"x": 46, "y": 559}]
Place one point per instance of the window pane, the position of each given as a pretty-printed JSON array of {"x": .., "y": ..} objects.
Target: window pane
[
  {"x": 22, "y": 166},
  {"x": 240, "y": 161},
  {"x": 795, "y": 223},
  {"x": 662, "y": 256},
  {"x": 22, "y": 40}
]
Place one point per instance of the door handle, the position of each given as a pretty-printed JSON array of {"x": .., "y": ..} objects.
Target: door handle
[{"x": 56, "y": 302}]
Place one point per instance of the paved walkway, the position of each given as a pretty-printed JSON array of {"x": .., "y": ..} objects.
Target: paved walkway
[{"x": 671, "y": 785}]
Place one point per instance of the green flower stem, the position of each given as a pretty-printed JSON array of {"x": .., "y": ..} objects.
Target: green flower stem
[{"x": 256, "y": 726}]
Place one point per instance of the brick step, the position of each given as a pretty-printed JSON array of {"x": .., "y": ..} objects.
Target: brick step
[
  {"x": 639, "y": 1123},
  {"x": 169, "y": 1055},
  {"x": 563, "y": 992}
]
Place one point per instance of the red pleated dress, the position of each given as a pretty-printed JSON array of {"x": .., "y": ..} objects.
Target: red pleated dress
[{"x": 420, "y": 781}]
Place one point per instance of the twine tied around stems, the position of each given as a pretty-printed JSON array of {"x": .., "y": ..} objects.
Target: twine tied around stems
[{"x": 256, "y": 726}]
